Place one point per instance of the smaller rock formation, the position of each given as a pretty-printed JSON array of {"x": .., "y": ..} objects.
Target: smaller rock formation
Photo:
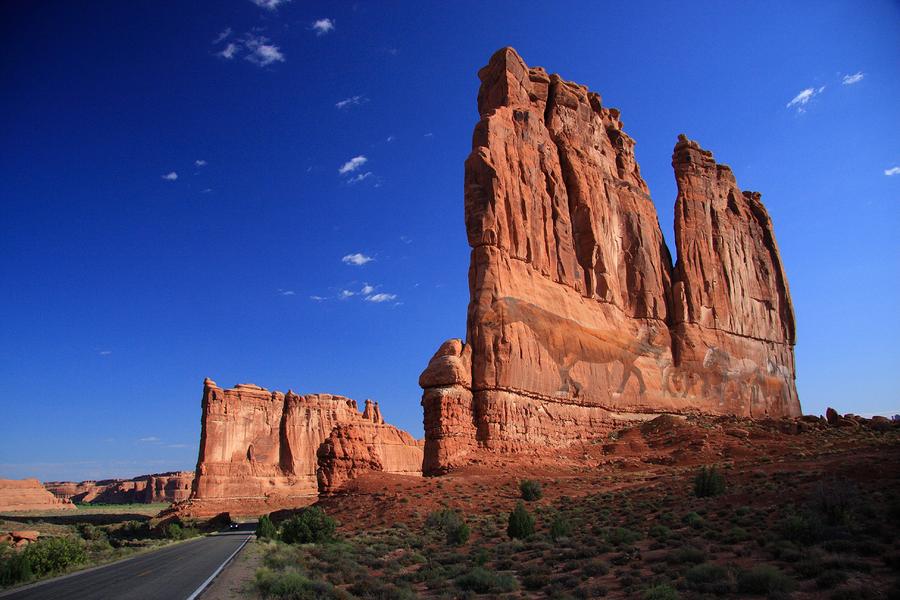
[
  {"x": 173, "y": 486},
  {"x": 351, "y": 450},
  {"x": 261, "y": 450},
  {"x": 28, "y": 494}
]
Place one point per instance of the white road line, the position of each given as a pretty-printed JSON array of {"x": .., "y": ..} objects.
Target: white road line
[{"x": 206, "y": 583}]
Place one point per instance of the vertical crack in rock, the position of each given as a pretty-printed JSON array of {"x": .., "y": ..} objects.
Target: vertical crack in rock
[{"x": 576, "y": 310}]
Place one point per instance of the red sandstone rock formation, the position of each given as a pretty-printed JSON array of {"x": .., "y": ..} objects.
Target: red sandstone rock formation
[
  {"x": 28, "y": 494},
  {"x": 733, "y": 322},
  {"x": 259, "y": 449},
  {"x": 158, "y": 487},
  {"x": 352, "y": 449},
  {"x": 570, "y": 322}
]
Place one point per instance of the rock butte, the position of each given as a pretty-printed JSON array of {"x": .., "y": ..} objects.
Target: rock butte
[
  {"x": 29, "y": 494},
  {"x": 158, "y": 487},
  {"x": 261, "y": 450},
  {"x": 577, "y": 318}
]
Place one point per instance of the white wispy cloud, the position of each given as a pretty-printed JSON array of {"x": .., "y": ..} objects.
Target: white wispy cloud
[
  {"x": 366, "y": 289},
  {"x": 390, "y": 138},
  {"x": 318, "y": 298},
  {"x": 282, "y": 292},
  {"x": 851, "y": 79},
  {"x": 200, "y": 163},
  {"x": 357, "y": 259},
  {"x": 261, "y": 52},
  {"x": 206, "y": 190},
  {"x": 222, "y": 36},
  {"x": 347, "y": 294},
  {"x": 229, "y": 51},
  {"x": 269, "y": 4},
  {"x": 105, "y": 352},
  {"x": 382, "y": 297},
  {"x": 171, "y": 176},
  {"x": 802, "y": 99},
  {"x": 323, "y": 26},
  {"x": 353, "y": 164},
  {"x": 892, "y": 171},
  {"x": 150, "y": 439},
  {"x": 351, "y": 101},
  {"x": 360, "y": 177}
]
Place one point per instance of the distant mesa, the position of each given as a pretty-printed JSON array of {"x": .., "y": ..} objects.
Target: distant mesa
[
  {"x": 578, "y": 321},
  {"x": 147, "y": 489},
  {"x": 28, "y": 494},
  {"x": 261, "y": 451}
]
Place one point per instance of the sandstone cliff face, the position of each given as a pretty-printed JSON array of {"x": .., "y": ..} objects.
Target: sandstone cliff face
[
  {"x": 29, "y": 494},
  {"x": 733, "y": 321},
  {"x": 353, "y": 449},
  {"x": 570, "y": 322},
  {"x": 156, "y": 488},
  {"x": 259, "y": 449}
]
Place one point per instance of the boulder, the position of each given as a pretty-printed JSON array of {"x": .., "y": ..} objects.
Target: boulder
[{"x": 25, "y": 534}]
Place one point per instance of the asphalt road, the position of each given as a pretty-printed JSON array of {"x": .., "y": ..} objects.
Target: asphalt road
[{"x": 172, "y": 573}]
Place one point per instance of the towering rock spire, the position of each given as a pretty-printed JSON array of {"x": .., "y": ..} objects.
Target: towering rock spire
[
  {"x": 570, "y": 317},
  {"x": 732, "y": 306}
]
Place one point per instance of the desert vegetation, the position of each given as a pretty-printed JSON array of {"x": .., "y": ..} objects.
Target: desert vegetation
[
  {"x": 90, "y": 536},
  {"x": 808, "y": 521}
]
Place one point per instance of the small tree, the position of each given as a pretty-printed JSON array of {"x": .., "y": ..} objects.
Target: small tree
[
  {"x": 531, "y": 490},
  {"x": 560, "y": 527},
  {"x": 708, "y": 482},
  {"x": 310, "y": 525},
  {"x": 265, "y": 529},
  {"x": 521, "y": 523}
]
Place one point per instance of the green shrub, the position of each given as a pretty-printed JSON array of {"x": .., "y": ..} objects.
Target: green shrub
[
  {"x": 52, "y": 555},
  {"x": 14, "y": 568},
  {"x": 458, "y": 536},
  {"x": 294, "y": 586},
  {"x": 764, "y": 579},
  {"x": 830, "y": 579},
  {"x": 660, "y": 592},
  {"x": 310, "y": 526},
  {"x": 660, "y": 532},
  {"x": 265, "y": 529},
  {"x": 708, "y": 482},
  {"x": 709, "y": 577},
  {"x": 483, "y": 581},
  {"x": 521, "y": 523},
  {"x": 174, "y": 531},
  {"x": 531, "y": 490},
  {"x": 802, "y": 528},
  {"x": 560, "y": 527},
  {"x": 453, "y": 526},
  {"x": 595, "y": 568},
  {"x": 620, "y": 536},
  {"x": 693, "y": 520},
  {"x": 90, "y": 533},
  {"x": 687, "y": 554}
]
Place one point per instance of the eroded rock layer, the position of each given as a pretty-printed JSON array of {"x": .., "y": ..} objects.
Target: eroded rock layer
[
  {"x": 156, "y": 488},
  {"x": 28, "y": 494},
  {"x": 570, "y": 322},
  {"x": 259, "y": 450}
]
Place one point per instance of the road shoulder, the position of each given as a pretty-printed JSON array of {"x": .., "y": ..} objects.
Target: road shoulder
[{"x": 235, "y": 582}]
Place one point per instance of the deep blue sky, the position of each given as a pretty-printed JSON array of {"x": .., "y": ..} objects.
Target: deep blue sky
[{"x": 122, "y": 289}]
